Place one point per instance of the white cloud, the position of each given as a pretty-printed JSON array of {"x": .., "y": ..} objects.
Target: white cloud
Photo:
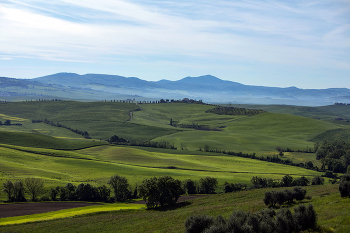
[{"x": 264, "y": 31}]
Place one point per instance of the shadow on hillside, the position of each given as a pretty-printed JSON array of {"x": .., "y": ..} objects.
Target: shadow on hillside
[{"x": 173, "y": 207}]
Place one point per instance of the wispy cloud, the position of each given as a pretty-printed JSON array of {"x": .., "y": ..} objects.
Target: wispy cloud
[{"x": 299, "y": 33}]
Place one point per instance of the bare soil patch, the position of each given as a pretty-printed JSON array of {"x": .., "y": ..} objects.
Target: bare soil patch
[
  {"x": 11, "y": 210},
  {"x": 181, "y": 199}
]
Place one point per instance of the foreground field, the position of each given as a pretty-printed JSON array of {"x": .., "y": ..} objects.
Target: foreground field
[
  {"x": 96, "y": 165},
  {"x": 68, "y": 213},
  {"x": 333, "y": 214}
]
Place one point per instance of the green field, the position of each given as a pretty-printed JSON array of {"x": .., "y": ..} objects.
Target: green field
[
  {"x": 333, "y": 214},
  {"x": 58, "y": 156}
]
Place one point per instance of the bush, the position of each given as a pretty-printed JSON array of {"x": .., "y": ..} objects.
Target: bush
[
  {"x": 305, "y": 217},
  {"x": 317, "y": 180},
  {"x": 265, "y": 221},
  {"x": 281, "y": 196},
  {"x": 299, "y": 193},
  {"x": 197, "y": 224},
  {"x": 344, "y": 185}
]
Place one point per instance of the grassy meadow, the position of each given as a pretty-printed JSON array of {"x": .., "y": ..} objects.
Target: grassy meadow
[
  {"x": 333, "y": 214},
  {"x": 59, "y": 156}
]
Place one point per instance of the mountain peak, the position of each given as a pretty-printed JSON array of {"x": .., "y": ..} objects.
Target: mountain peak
[{"x": 201, "y": 79}]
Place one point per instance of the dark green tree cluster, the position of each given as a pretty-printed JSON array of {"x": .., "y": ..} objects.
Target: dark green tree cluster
[
  {"x": 15, "y": 191},
  {"x": 235, "y": 111},
  {"x": 334, "y": 155},
  {"x": 234, "y": 187},
  {"x": 205, "y": 185},
  {"x": 82, "y": 192},
  {"x": 117, "y": 140},
  {"x": 317, "y": 180},
  {"x": 161, "y": 144},
  {"x": 162, "y": 191},
  {"x": 281, "y": 196},
  {"x": 287, "y": 181},
  {"x": 87, "y": 192},
  {"x": 344, "y": 185},
  {"x": 265, "y": 221}
]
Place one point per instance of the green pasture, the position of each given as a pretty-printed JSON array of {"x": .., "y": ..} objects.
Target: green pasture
[
  {"x": 100, "y": 119},
  {"x": 69, "y": 213},
  {"x": 96, "y": 165},
  {"x": 42, "y": 141},
  {"x": 260, "y": 134},
  {"x": 333, "y": 214}
]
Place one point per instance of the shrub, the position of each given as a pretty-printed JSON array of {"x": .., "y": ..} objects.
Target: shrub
[
  {"x": 287, "y": 181},
  {"x": 197, "y": 224},
  {"x": 299, "y": 193},
  {"x": 317, "y": 180},
  {"x": 265, "y": 221},
  {"x": 284, "y": 221},
  {"x": 305, "y": 217},
  {"x": 344, "y": 185}
]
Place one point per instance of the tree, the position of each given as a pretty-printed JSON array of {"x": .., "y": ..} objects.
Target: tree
[
  {"x": 19, "y": 191},
  {"x": 120, "y": 187},
  {"x": 287, "y": 181},
  {"x": 208, "y": 185},
  {"x": 160, "y": 191},
  {"x": 34, "y": 187},
  {"x": 190, "y": 186},
  {"x": 317, "y": 180},
  {"x": 9, "y": 189},
  {"x": 7, "y": 122},
  {"x": 344, "y": 185}
]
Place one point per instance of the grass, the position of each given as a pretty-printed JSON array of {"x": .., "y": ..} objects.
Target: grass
[
  {"x": 100, "y": 119},
  {"x": 68, "y": 213},
  {"x": 333, "y": 213},
  {"x": 43, "y": 141},
  {"x": 260, "y": 134},
  {"x": 97, "y": 164}
]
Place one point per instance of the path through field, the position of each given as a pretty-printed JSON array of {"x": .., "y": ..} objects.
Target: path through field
[{"x": 12, "y": 210}]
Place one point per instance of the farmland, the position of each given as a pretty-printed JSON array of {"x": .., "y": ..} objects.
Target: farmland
[{"x": 59, "y": 156}]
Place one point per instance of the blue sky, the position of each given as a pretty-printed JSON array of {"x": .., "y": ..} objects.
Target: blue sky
[{"x": 270, "y": 43}]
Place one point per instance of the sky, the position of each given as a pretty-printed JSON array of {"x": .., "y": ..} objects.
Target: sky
[{"x": 263, "y": 42}]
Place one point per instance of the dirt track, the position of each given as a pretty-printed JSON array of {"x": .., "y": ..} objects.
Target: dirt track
[{"x": 11, "y": 210}]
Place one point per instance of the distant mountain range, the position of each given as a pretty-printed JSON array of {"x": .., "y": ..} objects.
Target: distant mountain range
[{"x": 207, "y": 88}]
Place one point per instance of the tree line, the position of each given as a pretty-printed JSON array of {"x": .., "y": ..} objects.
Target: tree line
[
  {"x": 85, "y": 134},
  {"x": 273, "y": 159},
  {"x": 335, "y": 155},
  {"x": 235, "y": 111}
]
